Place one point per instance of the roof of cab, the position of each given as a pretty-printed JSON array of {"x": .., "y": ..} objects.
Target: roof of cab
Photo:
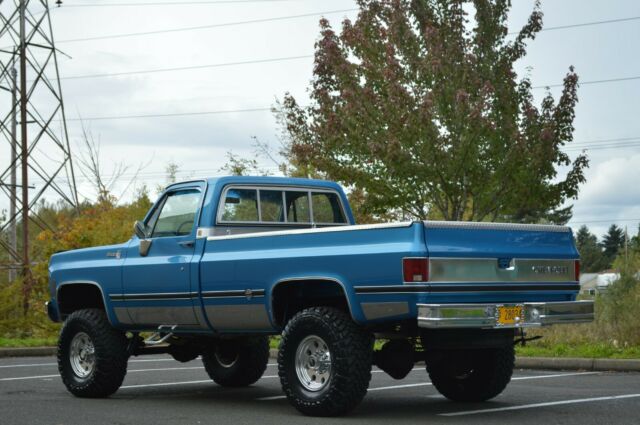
[{"x": 268, "y": 180}]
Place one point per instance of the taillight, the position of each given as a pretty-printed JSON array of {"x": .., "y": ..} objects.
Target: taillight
[
  {"x": 415, "y": 269},
  {"x": 576, "y": 269}
]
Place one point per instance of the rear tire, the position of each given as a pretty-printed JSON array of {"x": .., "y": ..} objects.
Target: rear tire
[
  {"x": 324, "y": 362},
  {"x": 472, "y": 375},
  {"x": 237, "y": 362},
  {"x": 92, "y": 355}
]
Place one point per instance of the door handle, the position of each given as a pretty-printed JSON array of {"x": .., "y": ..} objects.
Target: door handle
[{"x": 187, "y": 244}]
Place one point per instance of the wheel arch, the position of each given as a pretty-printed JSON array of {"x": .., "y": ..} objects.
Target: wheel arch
[
  {"x": 75, "y": 295},
  {"x": 290, "y": 295}
]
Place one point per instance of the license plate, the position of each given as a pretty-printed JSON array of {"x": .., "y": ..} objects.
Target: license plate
[{"x": 508, "y": 315}]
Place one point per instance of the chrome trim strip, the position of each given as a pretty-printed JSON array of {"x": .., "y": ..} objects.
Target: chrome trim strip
[
  {"x": 152, "y": 296},
  {"x": 501, "y": 287},
  {"x": 373, "y": 311},
  {"x": 487, "y": 270},
  {"x": 155, "y": 316},
  {"x": 187, "y": 295},
  {"x": 429, "y": 224},
  {"x": 391, "y": 289},
  {"x": 533, "y": 314},
  {"x": 234, "y": 317},
  {"x": 457, "y": 288},
  {"x": 204, "y": 232},
  {"x": 339, "y": 228},
  {"x": 248, "y": 293},
  {"x": 122, "y": 315}
]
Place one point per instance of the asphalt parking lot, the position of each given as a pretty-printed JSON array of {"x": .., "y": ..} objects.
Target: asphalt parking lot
[{"x": 159, "y": 390}]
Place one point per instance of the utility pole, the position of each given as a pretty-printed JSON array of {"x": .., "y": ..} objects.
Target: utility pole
[
  {"x": 26, "y": 270},
  {"x": 33, "y": 129},
  {"x": 13, "y": 230}
]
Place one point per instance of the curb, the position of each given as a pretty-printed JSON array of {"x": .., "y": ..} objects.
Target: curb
[
  {"x": 563, "y": 363},
  {"x": 553, "y": 363}
]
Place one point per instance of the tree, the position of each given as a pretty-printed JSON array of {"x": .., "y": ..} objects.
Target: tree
[
  {"x": 92, "y": 170},
  {"x": 612, "y": 242},
  {"x": 591, "y": 257},
  {"x": 419, "y": 106},
  {"x": 238, "y": 166},
  {"x": 634, "y": 243}
]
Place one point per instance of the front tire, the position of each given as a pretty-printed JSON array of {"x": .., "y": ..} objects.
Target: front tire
[
  {"x": 324, "y": 362},
  {"x": 237, "y": 362},
  {"x": 92, "y": 355},
  {"x": 472, "y": 375}
]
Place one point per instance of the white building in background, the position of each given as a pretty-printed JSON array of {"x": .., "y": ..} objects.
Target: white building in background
[{"x": 595, "y": 283}]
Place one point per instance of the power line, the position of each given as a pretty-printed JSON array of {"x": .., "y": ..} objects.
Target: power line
[
  {"x": 177, "y": 3},
  {"x": 236, "y": 110},
  {"x": 177, "y": 114},
  {"x": 588, "y": 24},
  {"x": 184, "y": 68},
  {"x": 585, "y": 83},
  {"x": 618, "y": 139},
  {"x": 201, "y": 27},
  {"x": 603, "y": 221},
  {"x": 584, "y": 24}
]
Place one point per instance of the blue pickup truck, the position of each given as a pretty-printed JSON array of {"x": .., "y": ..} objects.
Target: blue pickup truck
[{"x": 219, "y": 265}]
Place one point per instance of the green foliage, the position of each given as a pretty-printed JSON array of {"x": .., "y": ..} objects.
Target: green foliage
[
  {"x": 99, "y": 224},
  {"x": 29, "y": 342},
  {"x": 615, "y": 330},
  {"x": 237, "y": 166},
  {"x": 612, "y": 242},
  {"x": 419, "y": 107},
  {"x": 591, "y": 256}
]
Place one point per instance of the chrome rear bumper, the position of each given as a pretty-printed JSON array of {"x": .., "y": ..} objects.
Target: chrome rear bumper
[{"x": 487, "y": 315}]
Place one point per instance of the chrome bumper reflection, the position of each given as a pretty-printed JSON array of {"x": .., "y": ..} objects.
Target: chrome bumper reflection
[{"x": 486, "y": 315}]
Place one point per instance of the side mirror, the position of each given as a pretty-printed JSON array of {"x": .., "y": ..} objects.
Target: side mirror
[{"x": 140, "y": 230}]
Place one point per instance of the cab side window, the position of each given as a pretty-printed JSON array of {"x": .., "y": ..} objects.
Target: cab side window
[
  {"x": 177, "y": 214},
  {"x": 240, "y": 205},
  {"x": 326, "y": 209},
  {"x": 297, "y": 207}
]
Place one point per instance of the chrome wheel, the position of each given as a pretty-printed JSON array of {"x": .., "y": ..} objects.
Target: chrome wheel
[
  {"x": 313, "y": 363},
  {"x": 82, "y": 355}
]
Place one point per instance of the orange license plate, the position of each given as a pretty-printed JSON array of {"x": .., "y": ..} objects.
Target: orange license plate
[{"x": 508, "y": 315}]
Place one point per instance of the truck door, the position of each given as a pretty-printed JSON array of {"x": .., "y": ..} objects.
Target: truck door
[{"x": 157, "y": 287}]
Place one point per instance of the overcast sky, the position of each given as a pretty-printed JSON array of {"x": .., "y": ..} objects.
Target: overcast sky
[{"x": 197, "y": 143}]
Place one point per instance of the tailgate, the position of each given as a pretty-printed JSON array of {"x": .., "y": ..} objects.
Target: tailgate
[{"x": 496, "y": 257}]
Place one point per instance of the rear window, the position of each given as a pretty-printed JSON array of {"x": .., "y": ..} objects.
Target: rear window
[{"x": 281, "y": 206}]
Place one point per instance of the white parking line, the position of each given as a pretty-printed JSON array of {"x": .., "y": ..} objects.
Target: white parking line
[
  {"x": 165, "y": 384},
  {"x": 393, "y": 387},
  {"x": 531, "y": 406},
  {"x": 557, "y": 375},
  {"x": 28, "y": 377},
  {"x": 129, "y": 371},
  {"x": 130, "y": 361}
]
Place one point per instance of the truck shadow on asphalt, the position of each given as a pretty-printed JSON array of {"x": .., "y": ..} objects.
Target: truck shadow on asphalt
[{"x": 390, "y": 407}]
